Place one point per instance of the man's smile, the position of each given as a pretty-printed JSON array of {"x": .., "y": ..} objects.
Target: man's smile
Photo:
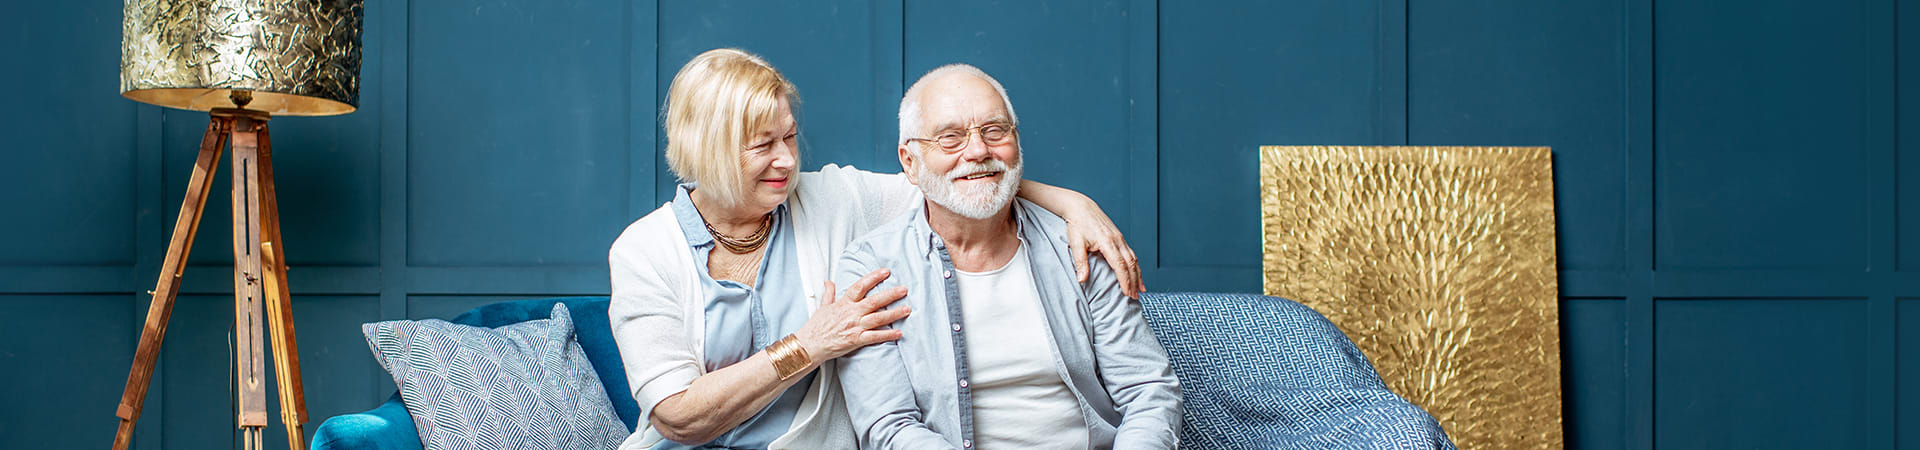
[{"x": 978, "y": 175}]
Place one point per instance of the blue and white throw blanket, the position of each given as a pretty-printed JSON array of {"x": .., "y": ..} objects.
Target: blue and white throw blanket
[{"x": 1263, "y": 372}]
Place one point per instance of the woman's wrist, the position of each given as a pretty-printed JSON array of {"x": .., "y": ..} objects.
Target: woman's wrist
[
  {"x": 790, "y": 358},
  {"x": 1089, "y": 211}
]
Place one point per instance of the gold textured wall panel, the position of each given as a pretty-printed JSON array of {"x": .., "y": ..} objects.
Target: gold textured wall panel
[{"x": 1439, "y": 263}]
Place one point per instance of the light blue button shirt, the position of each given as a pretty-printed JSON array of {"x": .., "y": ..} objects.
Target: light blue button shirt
[
  {"x": 743, "y": 320},
  {"x": 915, "y": 392}
]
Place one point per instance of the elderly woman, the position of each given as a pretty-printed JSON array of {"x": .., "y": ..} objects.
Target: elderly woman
[{"x": 721, "y": 305}]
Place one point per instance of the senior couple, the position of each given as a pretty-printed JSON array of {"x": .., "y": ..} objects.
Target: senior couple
[{"x": 968, "y": 318}]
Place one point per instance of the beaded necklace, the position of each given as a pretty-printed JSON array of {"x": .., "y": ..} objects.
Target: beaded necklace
[{"x": 746, "y": 244}]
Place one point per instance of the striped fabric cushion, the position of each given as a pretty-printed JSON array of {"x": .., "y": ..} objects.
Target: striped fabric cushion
[{"x": 521, "y": 386}]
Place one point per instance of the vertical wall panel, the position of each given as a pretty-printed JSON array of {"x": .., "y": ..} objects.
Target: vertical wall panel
[
  {"x": 1064, "y": 65},
  {"x": 1593, "y": 336},
  {"x": 824, "y": 49},
  {"x": 517, "y": 130},
  {"x": 69, "y": 184},
  {"x": 1533, "y": 73},
  {"x": 1907, "y": 369},
  {"x": 1234, "y": 77},
  {"x": 196, "y": 371},
  {"x": 65, "y": 361},
  {"x": 327, "y": 177},
  {"x": 1762, "y": 113},
  {"x": 644, "y": 165},
  {"x": 1907, "y": 232},
  {"x": 1726, "y": 369}
]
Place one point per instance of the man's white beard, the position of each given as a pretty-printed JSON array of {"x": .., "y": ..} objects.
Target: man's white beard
[{"x": 975, "y": 200}]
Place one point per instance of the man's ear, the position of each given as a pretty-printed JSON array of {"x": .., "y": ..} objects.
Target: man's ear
[{"x": 906, "y": 164}]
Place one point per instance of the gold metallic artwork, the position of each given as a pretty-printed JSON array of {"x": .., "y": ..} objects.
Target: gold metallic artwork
[
  {"x": 298, "y": 57},
  {"x": 1439, "y": 263}
]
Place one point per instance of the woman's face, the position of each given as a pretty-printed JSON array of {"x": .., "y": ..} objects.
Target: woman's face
[{"x": 767, "y": 164}]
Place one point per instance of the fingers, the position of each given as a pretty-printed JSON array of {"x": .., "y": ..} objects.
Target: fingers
[
  {"x": 1129, "y": 272},
  {"x": 1126, "y": 266},
  {"x": 1132, "y": 273},
  {"x": 860, "y": 287},
  {"x": 882, "y": 299},
  {"x": 883, "y": 318},
  {"x": 1118, "y": 262},
  {"x": 1079, "y": 257},
  {"x": 878, "y": 336},
  {"x": 826, "y": 296}
]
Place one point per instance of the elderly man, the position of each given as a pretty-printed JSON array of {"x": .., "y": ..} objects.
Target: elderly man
[{"x": 1004, "y": 348}]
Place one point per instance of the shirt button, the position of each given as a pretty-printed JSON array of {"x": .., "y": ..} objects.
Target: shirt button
[
  {"x": 956, "y": 326},
  {"x": 963, "y": 383},
  {"x": 967, "y": 443},
  {"x": 948, "y": 274}
]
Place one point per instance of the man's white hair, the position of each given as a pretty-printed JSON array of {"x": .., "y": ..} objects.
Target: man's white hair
[{"x": 910, "y": 103}]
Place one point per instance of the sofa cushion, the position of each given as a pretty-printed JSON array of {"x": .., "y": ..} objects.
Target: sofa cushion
[
  {"x": 590, "y": 328},
  {"x": 525, "y": 385},
  {"x": 1266, "y": 372}
]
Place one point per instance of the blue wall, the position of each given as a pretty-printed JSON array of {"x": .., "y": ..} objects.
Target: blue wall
[{"x": 1733, "y": 266}]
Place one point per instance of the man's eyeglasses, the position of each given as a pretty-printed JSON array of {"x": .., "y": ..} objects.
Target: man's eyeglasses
[{"x": 993, "y": 134}]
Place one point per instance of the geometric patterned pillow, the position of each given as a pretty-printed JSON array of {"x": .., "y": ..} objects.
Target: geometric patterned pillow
[
  {"x": 521, "y": 386},
  {"x": 1267, "y": 372}
]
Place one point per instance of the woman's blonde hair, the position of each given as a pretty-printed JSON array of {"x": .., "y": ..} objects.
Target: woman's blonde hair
[{"x": 715, "y": 101}]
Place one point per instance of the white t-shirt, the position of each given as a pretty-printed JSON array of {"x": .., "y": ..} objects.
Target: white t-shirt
[{"x": 1019, "y": 399}]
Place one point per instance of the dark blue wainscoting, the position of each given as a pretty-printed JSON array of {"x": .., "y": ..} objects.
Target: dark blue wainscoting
[{"x": 1731, "y": 215}]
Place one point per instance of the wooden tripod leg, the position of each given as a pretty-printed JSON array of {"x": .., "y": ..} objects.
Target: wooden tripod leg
[
  {"x": 164, "y": 291},
  {"x": 247, "y": 315},
  {"x": 286, "y": 351}
]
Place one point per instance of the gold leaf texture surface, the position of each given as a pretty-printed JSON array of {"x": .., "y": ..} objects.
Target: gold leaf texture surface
[
  {"x": 299, "y": 57},
  {"x": 1438, "y": 262}
]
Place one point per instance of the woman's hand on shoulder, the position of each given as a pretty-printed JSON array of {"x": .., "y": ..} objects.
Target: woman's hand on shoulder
[
  {"x": 853, "y": 319},
  {"x": 1095, "y": 233}
]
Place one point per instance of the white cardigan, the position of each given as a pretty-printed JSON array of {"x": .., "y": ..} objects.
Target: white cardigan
[{"x": 658, "y": 311}]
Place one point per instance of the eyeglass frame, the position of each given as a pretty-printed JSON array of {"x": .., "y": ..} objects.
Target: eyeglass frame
[{"x": 1013, "y": 131}]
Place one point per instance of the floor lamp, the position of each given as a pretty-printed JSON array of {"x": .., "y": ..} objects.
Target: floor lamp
[{"x": 243, "y": 62}]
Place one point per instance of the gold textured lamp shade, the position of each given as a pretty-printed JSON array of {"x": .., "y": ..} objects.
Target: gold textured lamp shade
[
  {"x": 294, "y": 57},
  {"x": 1439, "y": 263}
]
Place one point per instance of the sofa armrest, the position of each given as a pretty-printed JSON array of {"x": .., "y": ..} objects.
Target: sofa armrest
[{"x": 387, "y": 427}]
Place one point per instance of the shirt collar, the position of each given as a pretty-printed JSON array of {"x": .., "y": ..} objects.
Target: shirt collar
[
  {"x": 692, "y": 225},
  {"x": 929, "y": 241}
]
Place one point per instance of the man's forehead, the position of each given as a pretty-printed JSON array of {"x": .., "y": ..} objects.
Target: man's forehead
[
  {"x": 959, "y": 102},
  {"x": 962, "y": 121}
]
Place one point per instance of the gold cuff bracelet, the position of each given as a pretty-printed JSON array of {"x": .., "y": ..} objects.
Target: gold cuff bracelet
[{"x": 789, "y": 358}]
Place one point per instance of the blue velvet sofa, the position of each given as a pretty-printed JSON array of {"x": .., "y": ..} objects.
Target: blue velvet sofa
[{"x": 1257, "y": 371}]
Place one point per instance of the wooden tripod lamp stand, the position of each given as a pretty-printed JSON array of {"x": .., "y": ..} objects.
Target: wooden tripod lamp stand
[{"x": 243, "y": 62}]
